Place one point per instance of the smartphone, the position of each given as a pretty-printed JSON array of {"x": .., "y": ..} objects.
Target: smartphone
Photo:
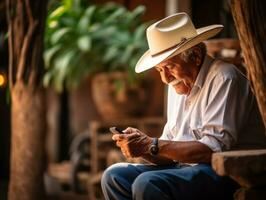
[{"x": 115, "y": 130}]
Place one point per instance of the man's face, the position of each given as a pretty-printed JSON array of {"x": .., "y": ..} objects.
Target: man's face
[{"x": 178, "y": 73}]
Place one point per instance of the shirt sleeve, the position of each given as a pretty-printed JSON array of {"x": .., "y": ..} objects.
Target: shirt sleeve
[
  {"x": 166, "y": 131},
  {"x": 223, "y": 113}
]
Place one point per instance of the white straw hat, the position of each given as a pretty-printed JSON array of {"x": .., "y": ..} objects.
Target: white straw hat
[{"x": 171, "y": 36}]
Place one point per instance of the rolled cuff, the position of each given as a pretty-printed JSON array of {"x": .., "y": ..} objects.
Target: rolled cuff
[
  {"x": 211, "y": 142},
  {"x": 164, "y": 137}
]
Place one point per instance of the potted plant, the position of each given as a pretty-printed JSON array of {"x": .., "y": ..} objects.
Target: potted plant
[{"x": 101, "y": 41}]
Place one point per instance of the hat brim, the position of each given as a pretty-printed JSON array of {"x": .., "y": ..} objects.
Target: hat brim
[{"x": 147, "y": 61}]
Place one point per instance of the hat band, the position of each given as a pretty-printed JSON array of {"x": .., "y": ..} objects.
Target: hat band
[{"x": 183, "y": 40}]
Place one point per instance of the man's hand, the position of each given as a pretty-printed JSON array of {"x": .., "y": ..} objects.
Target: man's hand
[{"x": 133, "y": 143}]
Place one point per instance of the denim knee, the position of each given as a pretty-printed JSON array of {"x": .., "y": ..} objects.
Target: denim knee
[
  {"x": 110, "y": 174},
  {"x": 139, "y": 185},
  {"x": 144, "y": 187}
]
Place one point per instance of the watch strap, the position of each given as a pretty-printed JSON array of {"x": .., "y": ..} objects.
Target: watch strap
[
  {"x": 155, "y": 141},
  {"x": 154, "y": 148}
]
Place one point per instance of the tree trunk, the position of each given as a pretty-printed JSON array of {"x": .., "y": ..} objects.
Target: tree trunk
[
  {"x": 28, "y": 130},
  {"x": 26, "y": 22},
  {"x": 250, "y": 20}
]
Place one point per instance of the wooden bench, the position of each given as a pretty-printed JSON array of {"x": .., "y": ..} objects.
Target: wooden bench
[{"x": 248, "y": 168}]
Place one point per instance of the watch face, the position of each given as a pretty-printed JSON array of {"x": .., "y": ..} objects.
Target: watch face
[
  {"x": 154, "y": 149},
  {"x": 154, "y": 146}
]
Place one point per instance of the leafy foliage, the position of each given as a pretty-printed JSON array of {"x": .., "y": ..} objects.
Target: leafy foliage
[{"x": 84, "y": 39}]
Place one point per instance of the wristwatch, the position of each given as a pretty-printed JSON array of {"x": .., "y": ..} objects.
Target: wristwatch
[{"x": 154, "y": 149}]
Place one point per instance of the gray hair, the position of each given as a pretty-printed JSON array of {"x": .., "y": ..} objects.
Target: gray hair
[{"x": 190, "y": 54}]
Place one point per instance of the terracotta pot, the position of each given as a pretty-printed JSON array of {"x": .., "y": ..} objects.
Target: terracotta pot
[{"x": 116, "y": 99}]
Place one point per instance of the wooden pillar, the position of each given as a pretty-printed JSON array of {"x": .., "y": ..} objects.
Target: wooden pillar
[
  {"x": 250, "y": 20},
  {"x": 173, "y": 6}
]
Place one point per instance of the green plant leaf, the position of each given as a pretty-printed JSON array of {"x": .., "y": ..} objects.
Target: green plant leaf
[
  {"x": 133, "y": 18},
  {"x": 84, "y": 43},
  {"x": 140, "y": 32},
  {"x": 89, "y": 12},
  {"x": 138, "y": 11},
  {"x": 62, "y": 64},
  {"x": 57, "y": 35},
  {"x": 86, "y": 19},
  {"x": 127, "y": 53},
  {"x": 110, "y": 54},
  {"x": 57, "y": 12},
  {"x": 47, "y": 79},
  {"x": 68, "y": 4},
  {"x": 49, "y": 53},
  {"x": 83, "y": 24},
  {"x": 62, "y": 61},
  {"x": 117, "y": 13},
  {"x": 121, "y": 38},
  {"x": 82, "y": 39}
]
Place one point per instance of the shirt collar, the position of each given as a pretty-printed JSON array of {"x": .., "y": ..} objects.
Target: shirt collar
[{"x": 203, "y": 71}]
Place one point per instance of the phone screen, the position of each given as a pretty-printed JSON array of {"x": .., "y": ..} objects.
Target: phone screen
[{"x": 116, "y": 130}]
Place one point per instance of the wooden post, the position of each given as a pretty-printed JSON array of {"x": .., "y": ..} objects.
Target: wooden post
[{"x": 250, "y": 20}]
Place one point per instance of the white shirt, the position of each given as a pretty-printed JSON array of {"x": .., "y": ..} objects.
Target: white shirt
[{"x": 220, "y": 111}]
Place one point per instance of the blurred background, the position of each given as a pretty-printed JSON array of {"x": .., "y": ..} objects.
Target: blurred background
[{"x": 91, "y": 48}]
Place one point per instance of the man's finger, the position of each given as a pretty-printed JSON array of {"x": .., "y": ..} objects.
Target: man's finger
[
  {"x": 132, "y": 135},
  {"x": 130, "y": 130},
  {"x": 118, "y": 144},
  {"x": 116, "y": 137}
]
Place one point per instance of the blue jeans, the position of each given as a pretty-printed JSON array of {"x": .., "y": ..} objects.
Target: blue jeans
[{"x": 123, "y": 181}]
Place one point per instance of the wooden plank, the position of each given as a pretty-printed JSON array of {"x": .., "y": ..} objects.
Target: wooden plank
[{"x": 247, "y": 167}]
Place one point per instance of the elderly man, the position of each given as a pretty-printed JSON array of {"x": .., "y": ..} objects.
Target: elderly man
[{"x": 211, "y": 108}]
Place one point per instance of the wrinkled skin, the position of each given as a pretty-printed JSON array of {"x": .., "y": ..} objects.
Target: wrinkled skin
[
  {"x": 133, "y": 143},
  {"x": 179, "y": 73}
]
